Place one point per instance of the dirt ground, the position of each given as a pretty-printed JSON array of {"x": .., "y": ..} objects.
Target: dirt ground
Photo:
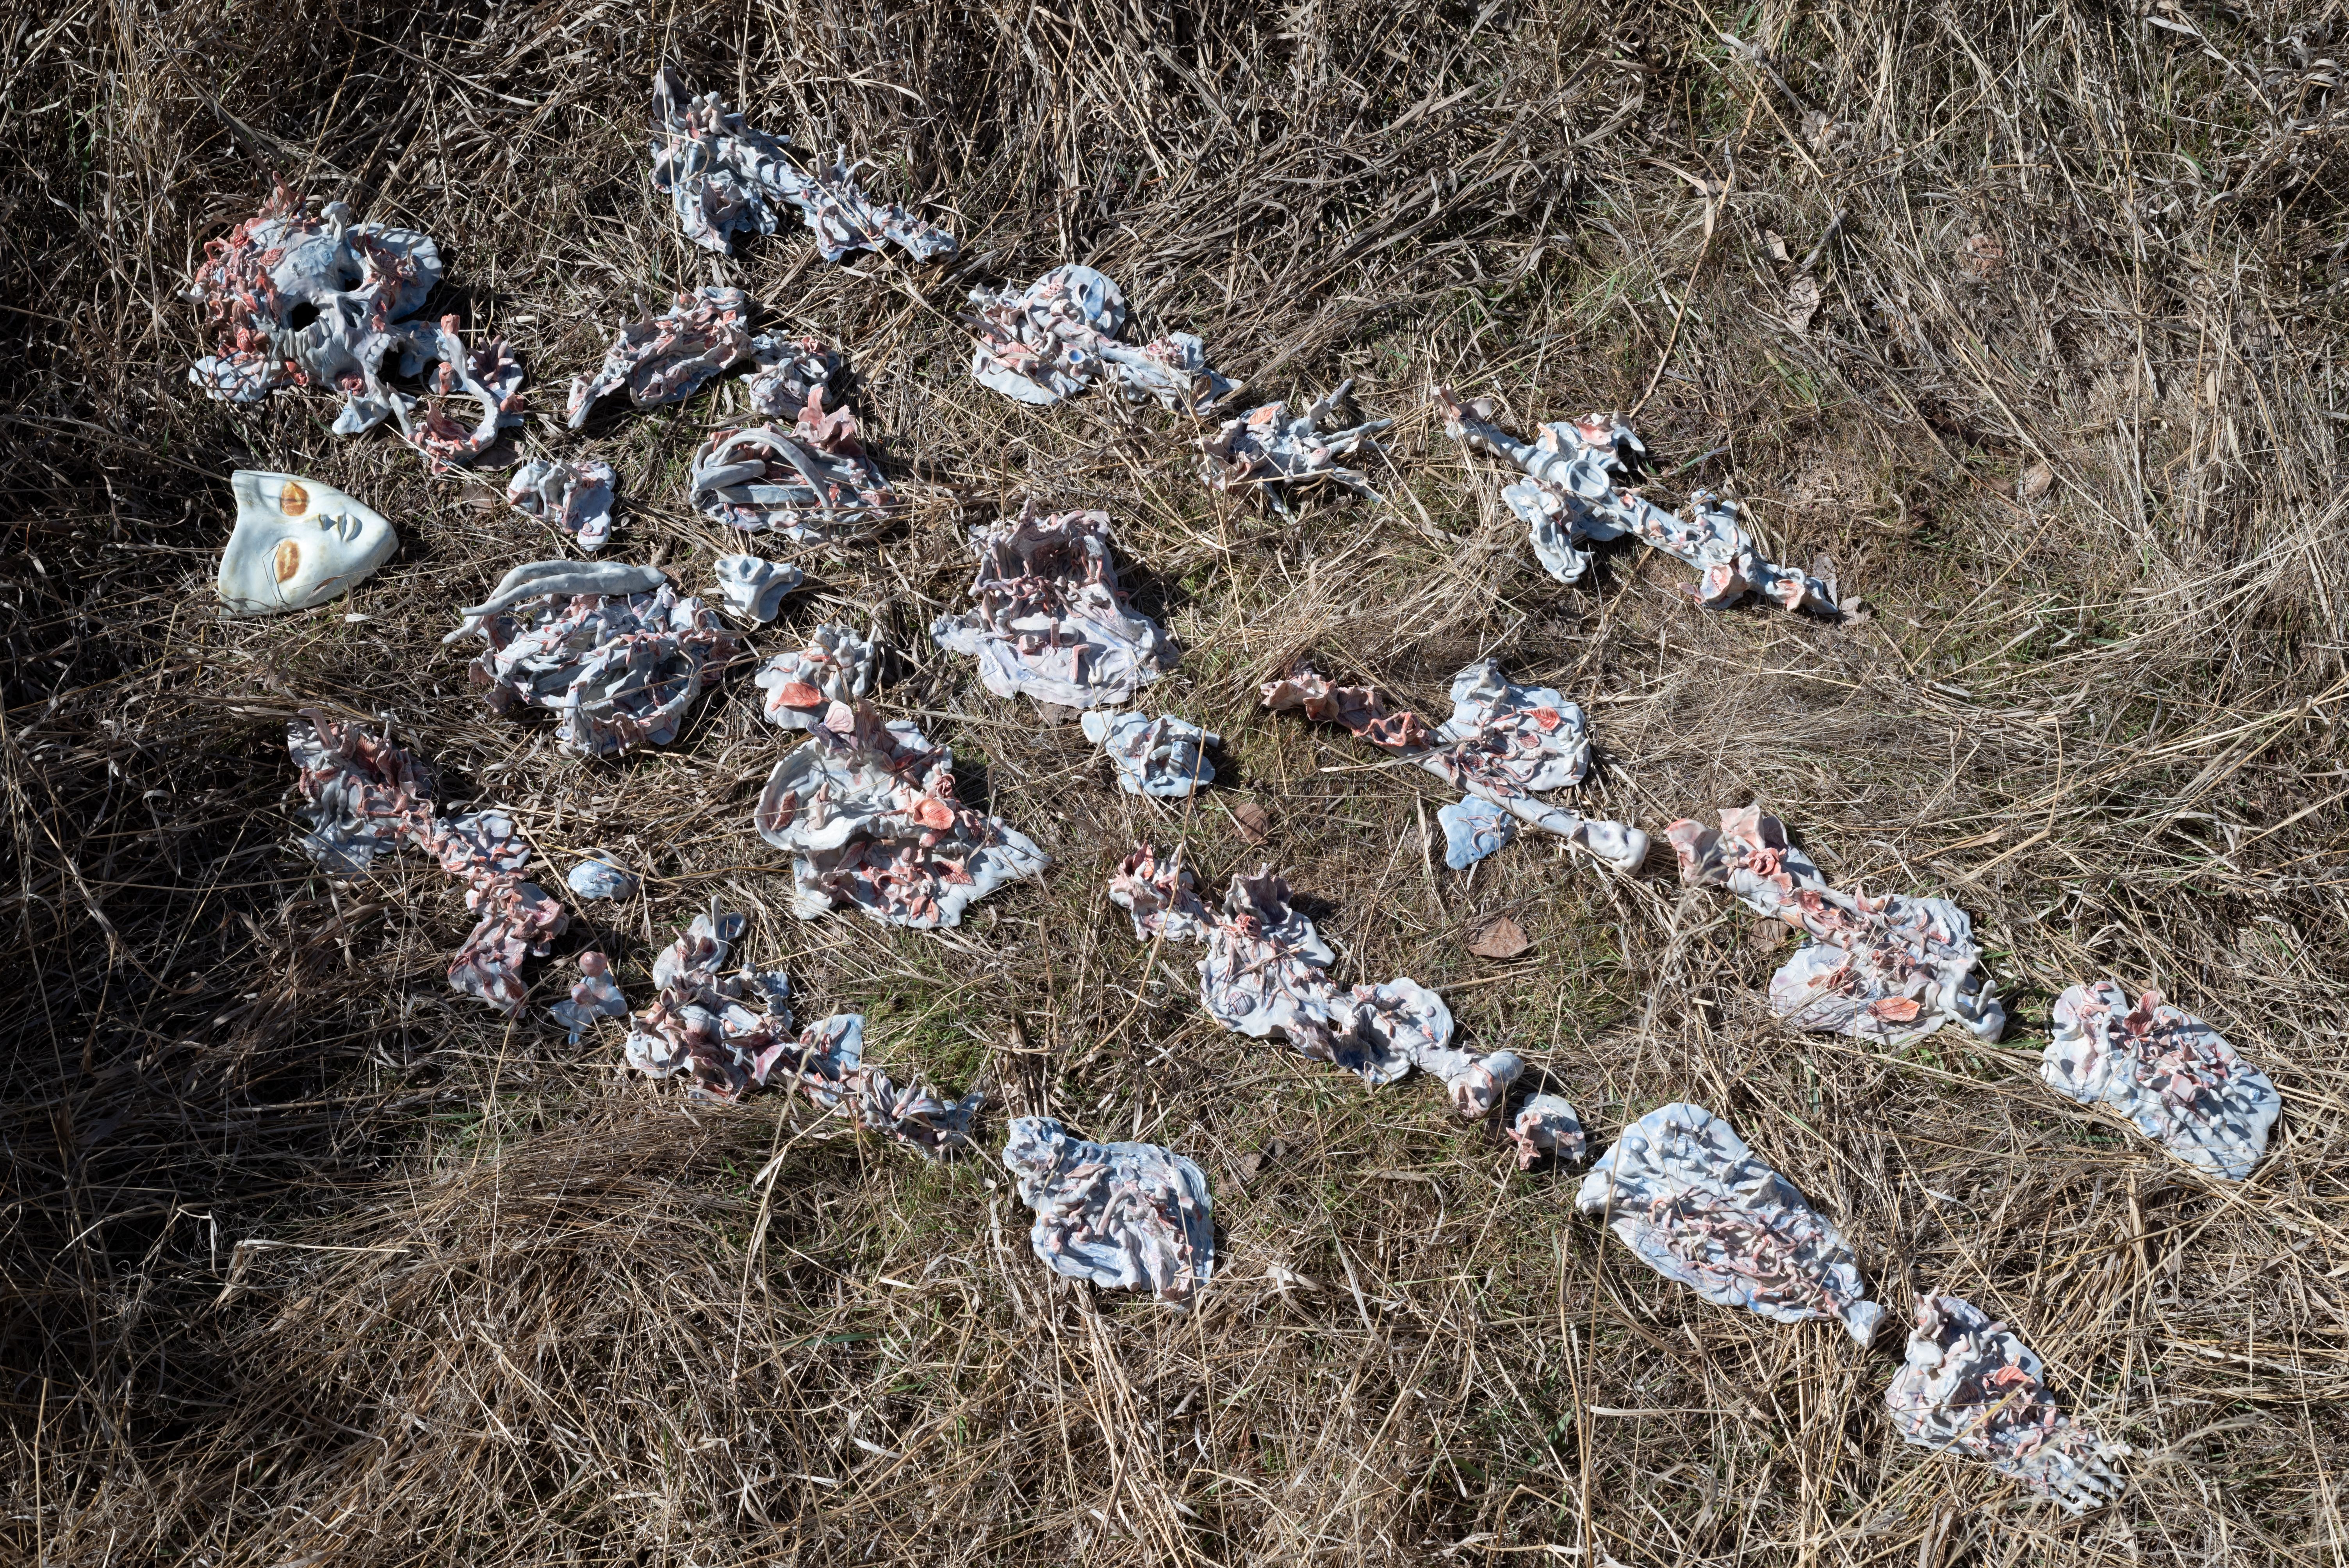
[{"x": 2030, "y": 321}]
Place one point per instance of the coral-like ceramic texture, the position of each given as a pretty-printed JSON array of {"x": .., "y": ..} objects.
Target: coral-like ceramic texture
[
  {"x": 2166, "y": 1071},
  {"x": 1162, "y": 757},
  {"x": 1130, "y": 1216},
  {"x": 1267, "y": 453},
  {"x": 1059, "y": 337},
  {"x": 1050, "y": 623}
]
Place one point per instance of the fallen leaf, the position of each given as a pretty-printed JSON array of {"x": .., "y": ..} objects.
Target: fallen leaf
[
  {"x": 1054, "y": 716},
  {"x": 1802, "y": 302},
  {"x": 1983, "y": 255},
  {"x": 1255, "y": 822},
  {"x": 1775, "y": 244},
  {"x": 1502, "y": 938},
  {"x": 1820, "y": 130},
  {"x": 1767, "y": 932},
  {"x": 2037, "y": 480},
  {"x": 480, "y": 497}
]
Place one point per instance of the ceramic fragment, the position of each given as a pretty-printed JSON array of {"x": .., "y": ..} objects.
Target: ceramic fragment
[
  {"x": 1473, "y": 829},
  {"x": 1892, "y": 969},
  {"x": 1475, "y": 1084},
  {"x": 1130, "y": 1216},
  {"x": 600, "y": 876},
  {"x": 1160, "y": 897},
  {"x": 1683, "y": 1192},
  {"x": 594, "y": 995},
  {"x": 1052, "y": 622},
  {"x": 2166, "y": 1071},
  {"x": 1503, "y": 742},
  {"x": 722, "y": 1032},
  {"x": 868, "y": 811},
  {"x": 724, "y": 179},
  {"x": 793, "y": 372},
  {"x": 489, "y": 375},
  {"x": 1967, "y": 1386},
  {"x": 1059, "y": 337},
  {"x": 838, "y": 665},
  {"x": 810, "y": 484},
  {"x": 362, "y": 796},
  {"x": 1165, "y": 758},
  {"x": 668, "y": 357},
  {"x": 1277, "y": 458},
  {"x": 1546, "y": 1124},
  {"x": 297, "y": 542},
  {"x": 1576, "y": 489},
  {"x": 828, "y": 1066},
  {"x": 576, "y": 497},
  {"x": 620, "y": 667},
  {"x": 753, "y": 588}
]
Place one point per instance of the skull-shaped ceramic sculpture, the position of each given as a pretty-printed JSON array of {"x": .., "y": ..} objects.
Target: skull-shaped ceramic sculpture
[{"x": 297, "y": 542}]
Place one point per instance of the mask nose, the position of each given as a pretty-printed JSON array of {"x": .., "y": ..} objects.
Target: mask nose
[{"x": 342, "y": 526}]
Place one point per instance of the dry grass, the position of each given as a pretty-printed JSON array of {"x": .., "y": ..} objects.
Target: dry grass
[{"x": 307, "y": 1263}]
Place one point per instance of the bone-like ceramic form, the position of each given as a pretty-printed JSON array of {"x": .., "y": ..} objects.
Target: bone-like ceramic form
[
  {"x": 837, "y": 666},
  {"x": 621, "y": 668},
  {"x": 810, "y": 483},
  {"x": 297, "y": 542},
  {"x": 1130, "y": 1216},
  {"x": 793, "y": 372},
  {"x": 600, "y": 877},
  {"x": 1967, "y": 1386},
  {"x": 2166, "y": 1071},
  {"x": 828, "y": 1066},
  {"x": 1160, "y": 897},
  {"x": 1059, "y": 337},
  {"x": 538, "y": 579},
  {"x": 362, "y": 796},
  {"x": 1892, "y": 969},
  {"x": 489, "y": 375},
  {"x": 1546, "y": 1124},
  {"x": 1683, "y": 1192},
  {"x": 576, "y": 497},
  {"x": 1279, "y": 457},
  {"x": 1473, "y": 828},
  {"x": 1166, "y": 757},
  {"x": 1502, "y": 743},
  {"x": 725, "y": 179},
  {"x": 594, "y": 995},
  {"x": 1052, "y": 622},
  {"x": 868, "y": 811},
  {"x": 722, "y": 1032},
  {"x": 1475, "y": 1084},
  {"x": 668, "y": 357},
  {"x": 753, "y": 587},
  {"x": 1576, "y": 490}
]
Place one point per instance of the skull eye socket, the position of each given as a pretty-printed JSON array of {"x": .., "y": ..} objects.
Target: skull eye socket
[
  {"x": 293, "y": 501},
  {"x": 287, "y": 558}
]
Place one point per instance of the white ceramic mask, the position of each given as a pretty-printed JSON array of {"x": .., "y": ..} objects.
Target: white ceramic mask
[{"x": 297, "y": 542}]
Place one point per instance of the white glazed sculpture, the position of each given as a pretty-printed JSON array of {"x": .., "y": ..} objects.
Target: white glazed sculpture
[
  {"x": 753, "y": 587},
  {"x": 297, "y": 542}
]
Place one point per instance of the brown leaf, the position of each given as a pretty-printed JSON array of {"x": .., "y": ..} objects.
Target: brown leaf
[
  {"x": 2037, "y": 480},
  {"x": 1766, "y": 931},
  {"x": 1255, "y": 822},
  {"x": 1802, "y": 302},
  {"x": 480, "y": 497},
  {"x": 1501, "y": 938},
  {"x": 1054, "y": 716},
  {"x": 1775, "y": 244},
  {"x": 1983, "y": 255}
]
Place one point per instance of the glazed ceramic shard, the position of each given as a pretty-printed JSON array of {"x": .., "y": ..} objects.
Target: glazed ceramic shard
[
  {"x": 725, "y": 179},
  {"x": 619, "y": 669},
  {"x": 1475, "y": 1084},
  {"x": 1502, "y": 743},
  {"x": 1576, "y": 490},
  {"x": 1473, "y": 829},
  {"x": 1546, "y": 1124},
  {"x": 828, "y": 1066},
  {"x": 810, "y": 483},
  {"x": 670, "y": 357},
  {"x": 1165, "y": 758},
  {"x": 317, "y": 300},
  {"x": 1267, "y": 453},
  {"x": 1686, "y": 1194},
  {"x": 1892, "y": 969},
  {"x": 1160, "y": 897},
  {"x": 599, "y": 877},
  {"x": 537, "y": 579},
  {"x": 576, "y": 497},
  {"x": 362, "y": 796},
  {"x": 753, "y": 588},
  {"x": 868, "y": 813},
  {"x": 2166, "y": 1071},
  {"x": 1967, "y": 1386},
  {"x": 297, "y": 542},
  {"x": 838, "y": 665},
  {"x": 722, "y": 1032},
  {"x": 594, "y": 995},
  {"x": 1051, "y": 623},
  {"x": 793, "y": 372},
  {"x": 1059, "y": 337},
  {"x": 1130, "y": 1216}
]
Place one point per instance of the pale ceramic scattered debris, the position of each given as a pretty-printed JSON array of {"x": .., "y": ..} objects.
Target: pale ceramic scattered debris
[
  {"x": 810, "y": 484},
  {"x": 1546, "y": 1124},
  {"x": 1683, "y": 1192},
  {"x": 2166, "y": 1071},
  {"x": 1892, "y": 969},
  {"x": 1473, "y": 828},
  {"x": 320, "y": 301},
  {"x": 1051, "y": 623},
  {"x": 363, "y": 796},
  {"x": 1278, "y": 457},
  {"x": 724, "y": 179},
  {"x": 723, "y": 1032},
  {"x": 828, "y": 1066},
  {"x": 792, "y": 373},
  {"x": 838, "y": 665},
  {"x": 753, "y": 587},
  {"x": 1165, "y": 758},
  {"x": 868, "y": 811},
  {"x": 1967, "y": 1386},
  {"x": 1503, "y": 742},
  {"x": 1059, "y": 337},
  {"x": 621, "y": 668},
  {"x": 1576, "y": 490},
  {"x": 594, "y": 995},
  {"x": 297, "y": 542},
  {"x": 576, "y": 497},
  {"x": 1130, "y": 1216},
  {"x": 670, "y": 357},
  {"x": 601, "y": 877}
]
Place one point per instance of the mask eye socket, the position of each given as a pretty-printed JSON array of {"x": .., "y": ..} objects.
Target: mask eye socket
[
  {"x": 286, "y": 559},
  {"x": 293, "y": 501}
]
